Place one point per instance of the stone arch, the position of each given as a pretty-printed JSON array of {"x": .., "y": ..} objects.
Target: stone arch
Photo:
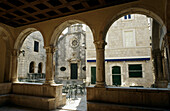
[
  {"x": 132, "y": 10},
  {"x": 32, "y": 67},
  {"x": 23, "y": 35},
  {"x": 135, "y": 10},
  {"x": 58, "y": 30}
]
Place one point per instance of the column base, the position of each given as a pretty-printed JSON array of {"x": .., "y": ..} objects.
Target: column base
[
  {"x": 161, "y": 84},
  {"x": 100, "y": 84},
  {"x": 49, "y": 82},
  {"x": 15, "y": 80},
  {"x": 168, "y": 85}
]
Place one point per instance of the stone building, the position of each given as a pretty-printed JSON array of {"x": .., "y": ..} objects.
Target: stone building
[
  {"x": 32, "y": 57},
  {"x": 127, "y": 53},
  {"x": 70, "y": 54},
  {"x": 19, "y": 18}
]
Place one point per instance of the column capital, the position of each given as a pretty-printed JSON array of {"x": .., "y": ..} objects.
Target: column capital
[
  {"x": 50, "y": 49},
  {"x": 100, "y": 44}
]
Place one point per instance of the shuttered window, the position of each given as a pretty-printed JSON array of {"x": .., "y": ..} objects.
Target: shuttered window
[{"x": 135, "y": 70}]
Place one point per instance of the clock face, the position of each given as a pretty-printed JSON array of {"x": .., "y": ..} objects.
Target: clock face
[{"x": 74, "y": 42}]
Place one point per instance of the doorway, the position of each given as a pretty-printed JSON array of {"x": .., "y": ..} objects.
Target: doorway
[
  {"x": 74, "y": 70},
  {"x": 93, "y": 75}
]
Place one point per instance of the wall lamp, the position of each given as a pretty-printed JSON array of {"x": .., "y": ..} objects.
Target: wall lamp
[{"x": 23, "y": 52}]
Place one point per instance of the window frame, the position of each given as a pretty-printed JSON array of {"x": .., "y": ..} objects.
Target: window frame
[
  {"x": 142, "y": 75},
  {"x": 116, "y": 74},
  {"x": 36, "y": 49}
]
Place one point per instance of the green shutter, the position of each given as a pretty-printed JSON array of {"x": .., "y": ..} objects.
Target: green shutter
[
  {"x": 116, "y": 79},
  {"x": 116, "y": 70},
  {"x": 135, "y": 70},
  {"x": 74, "y": 71},
  {"x": 93, "y": 75}
]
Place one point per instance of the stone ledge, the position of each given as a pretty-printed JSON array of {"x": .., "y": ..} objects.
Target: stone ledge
[
  {"x": 44, "y": 103},
  {"x": 96, "y": 106},
  {"x": 38, "y": 96},
  {"x": 148, "y": 97},
  {"x": 4, "y": 99}
]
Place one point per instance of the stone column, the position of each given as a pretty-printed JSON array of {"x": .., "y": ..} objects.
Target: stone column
[
  {"x": 49, "y": 65},
  {"x": 167, "y": 42},
  {"x": 160, "y": 78},
  {"x": 100, "y": 63},
  {"x": 14, "y": 66}
]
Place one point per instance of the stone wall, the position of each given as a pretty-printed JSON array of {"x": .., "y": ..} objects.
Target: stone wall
[{"x": 30, "y": 55}]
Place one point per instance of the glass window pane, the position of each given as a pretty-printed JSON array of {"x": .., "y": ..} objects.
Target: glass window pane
[
  {"x": 125, "y": 17},
  {"x": 116, "y": 79},
  {"x": 116, "y": 70},
  {"x": 36, "y": 46},
  {"x": 129, "y": 16},
  {"x": 135, "y": 70}
]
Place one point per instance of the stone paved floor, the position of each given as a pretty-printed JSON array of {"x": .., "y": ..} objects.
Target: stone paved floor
[
  {"x": 72, "y": 104},
  {"x": 79, "y": 104}
]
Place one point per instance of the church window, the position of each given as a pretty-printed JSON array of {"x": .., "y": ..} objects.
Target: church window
[
  {"x": 36, "y": 46},
  {"x": 135, "y": 70},
  {"x": 74, "y": 42}
]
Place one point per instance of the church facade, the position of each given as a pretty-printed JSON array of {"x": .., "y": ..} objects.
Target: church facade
[{"x": 70, "y": 55}]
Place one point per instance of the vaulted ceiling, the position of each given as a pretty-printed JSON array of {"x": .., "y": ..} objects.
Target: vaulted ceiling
[{"x": 22, "y": 12}]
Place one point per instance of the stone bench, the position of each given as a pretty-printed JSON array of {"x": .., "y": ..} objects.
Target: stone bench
[
  {"x": 36, "y": 95},
  {"x": 5, "y": 90}
]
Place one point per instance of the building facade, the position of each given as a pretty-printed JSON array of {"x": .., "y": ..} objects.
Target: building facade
[
  {"x": 70, "y": 55},
  {"x": 127, "y": 53},
  {"x": 32, "y": 58}
]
